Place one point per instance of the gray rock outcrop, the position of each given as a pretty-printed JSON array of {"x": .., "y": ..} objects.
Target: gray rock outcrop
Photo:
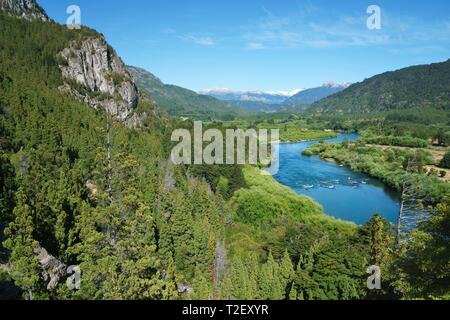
[
  {"x": 95, "y": 65},
  {"x": 27, "y": 9},
  {"x": 53, "y": 270}
]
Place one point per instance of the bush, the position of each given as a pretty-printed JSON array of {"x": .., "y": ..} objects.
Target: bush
[
  {"x": 445, "y": 162},
  {"x": 401, "y": 141}
]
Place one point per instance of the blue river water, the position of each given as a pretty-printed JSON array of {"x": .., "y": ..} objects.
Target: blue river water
[{"x": 344, "y": 194}]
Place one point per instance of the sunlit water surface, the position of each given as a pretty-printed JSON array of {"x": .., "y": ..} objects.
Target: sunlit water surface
[{"x": 343, "y": 193}]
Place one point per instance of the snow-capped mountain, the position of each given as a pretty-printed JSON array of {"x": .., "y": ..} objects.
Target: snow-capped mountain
[
  {"x": 272, "y": 101},
  {"x": 267, "y": 97},
  {"x": 309, "y": 96}
]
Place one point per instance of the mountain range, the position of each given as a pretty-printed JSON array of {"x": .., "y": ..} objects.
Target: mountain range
[
  {"x": 181, "y": 102},
  {"x": 297, "y": 100},
  {"x": 309, "y": 96},
  {"x": 423, "y": 86},
  {"x": 267, "y": 97}
]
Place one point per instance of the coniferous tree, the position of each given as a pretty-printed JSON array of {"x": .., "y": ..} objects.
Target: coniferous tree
[
  {"x": 23, "y": 260},
  {"x": 202, "y": 287},
  {"x": 377, "y": 245},
  {"x": 304, "y": 283},
  {"x": 238, "y": 279},
  {"x": 293, "y": 293},
  {"x": 271, "y": 286},
  {"x": 287, "y": 273},
  {"x": 170, "y": 291},
  {"x": 118, "y": 253},
  {"x": 381, "y": 255},
  {"x": 226, "y": 288},
  {"x": 7, "y": 187},
  {"x": 181, "y": 231},
  {"x": 423, "y": 266}
]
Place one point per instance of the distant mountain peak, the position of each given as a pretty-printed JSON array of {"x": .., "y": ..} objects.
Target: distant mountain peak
[
  {"x": 27, "y": 9},
  {"x": 259, "y": 96},
  {"x": 334, "y": 84},
  {"x": 283, "y": 93},
  {"x": 309, "y": 96}
]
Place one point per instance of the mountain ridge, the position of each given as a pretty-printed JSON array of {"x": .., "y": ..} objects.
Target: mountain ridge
[
  {"x": 309, "y": 96},
  {"x": 297, "y": 100},
  {"x": 269, "y": 96},
  {"x": 421, "y": 86},
  {"x": 182, "y": 102},
  {"x": 27, "y": 9}
]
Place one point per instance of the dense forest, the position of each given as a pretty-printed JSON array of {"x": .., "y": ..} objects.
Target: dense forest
[
  {"x": 102, "y": 195},
  {"x": 418, "y": 87}
]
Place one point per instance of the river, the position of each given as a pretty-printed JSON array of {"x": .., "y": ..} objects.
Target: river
[{"x": 344, "y": 194}]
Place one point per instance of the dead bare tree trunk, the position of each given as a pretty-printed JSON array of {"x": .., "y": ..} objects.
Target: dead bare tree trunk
[
  {"x": 400, "y": 213},
  {"x": 30, "y": 294},
  {"x": 108, "y": 147},
  {"x": 407, "y": 194},
  {"x": 220, "y": 264}
]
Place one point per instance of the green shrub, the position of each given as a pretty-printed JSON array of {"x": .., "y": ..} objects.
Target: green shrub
[
  {"x": 401, "y": 141},
  {"x": 445, "y": 162},
  {"x": 116, "y": 77}
]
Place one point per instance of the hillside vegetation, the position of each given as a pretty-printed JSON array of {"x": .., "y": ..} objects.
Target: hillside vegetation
[
  {"x": 424, "y": 87},
  {"x": 181, "y": 102}
]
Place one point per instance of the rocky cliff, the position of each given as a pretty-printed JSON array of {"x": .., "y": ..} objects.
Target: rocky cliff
[
  {"x": 95, "y": 66},
  {"x": 27, "y": 9}
]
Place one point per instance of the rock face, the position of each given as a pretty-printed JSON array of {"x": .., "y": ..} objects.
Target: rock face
[
  {"x": 53, "y": 270},
  {"x": 27, "y": 9},
  {"x": 96, "y": 66}
]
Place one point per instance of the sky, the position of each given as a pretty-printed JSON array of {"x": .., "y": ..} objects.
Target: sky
[{"x": 267, "y": 44}]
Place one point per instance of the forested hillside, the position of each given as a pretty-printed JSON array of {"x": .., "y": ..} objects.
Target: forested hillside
[
  {"x": 418, "y": 87},
  {"x": 182, "y": 102}
]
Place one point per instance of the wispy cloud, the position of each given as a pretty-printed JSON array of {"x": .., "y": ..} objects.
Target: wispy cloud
[
  {"x": 308, "y": 28},
  {"x": 199, "y": 39},
  {"x": 203, "y": 40},
  {"x": 169, "y": 31},
  {"x": 255, "y": 46}
]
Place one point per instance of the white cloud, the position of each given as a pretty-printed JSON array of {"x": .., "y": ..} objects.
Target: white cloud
[
  {"x": 169, "y": 31},
  {"x": 201, "y": 40},
  {"x": 255, "y": 46},
  {"x": 204, "y": 40},
  {"x": 308, "y": 28}
]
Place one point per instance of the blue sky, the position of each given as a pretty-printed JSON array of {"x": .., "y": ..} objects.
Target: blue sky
[{"x": 269, "y": 44}]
